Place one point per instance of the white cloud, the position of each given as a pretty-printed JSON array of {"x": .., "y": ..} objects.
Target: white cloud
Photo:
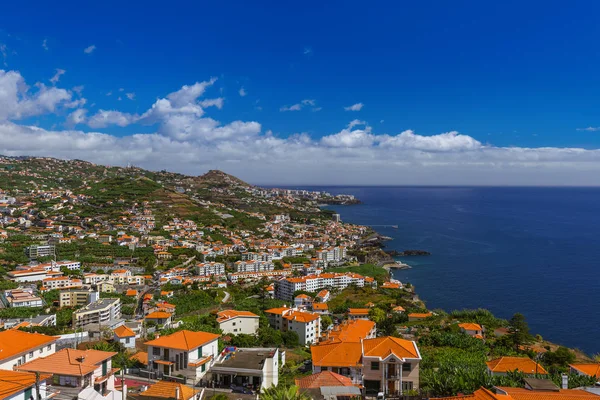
[
  {"x": 121, "y": 90},
  {"x": 57, "y": 76},
  {"x": 242, "y": 92},
  {"x": 18, "y": 101},
  {"x": 78, "y": 89},
  {"x": 89, "y": 49},
  {"x": 590, "y": 129},
  {"x": 186, "y": 140},
  {"x": 4, "y": 53},
  {"x": 301, "y": 105},
  {"x": 109, "y": 93},
  {"x": 130, "y": 96},
  {"x": 354, "y": 107},
  {"x": 45, "y": 44}
]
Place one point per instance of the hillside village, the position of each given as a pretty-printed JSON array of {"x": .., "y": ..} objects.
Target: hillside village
[{"x": 121, "y": 282}]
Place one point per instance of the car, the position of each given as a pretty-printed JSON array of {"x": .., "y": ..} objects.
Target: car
[
  {"x": 380, "y": 396},
  {"x": 240, "y": 389}
]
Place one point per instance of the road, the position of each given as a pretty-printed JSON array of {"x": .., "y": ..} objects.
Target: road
[{"x": 226, "y": 298}]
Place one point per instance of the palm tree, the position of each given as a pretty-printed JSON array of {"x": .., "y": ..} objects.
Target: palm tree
[{"x": 283, "y": 393}]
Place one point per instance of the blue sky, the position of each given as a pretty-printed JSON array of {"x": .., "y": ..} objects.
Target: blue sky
[{"x": 508, "y": 75}]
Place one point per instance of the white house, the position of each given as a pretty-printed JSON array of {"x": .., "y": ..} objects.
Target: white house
[
  {"x": 188, "y": 353},
  {"x": 236, "y": 322},
  {"x": 18, "y": 347},
  {"x": 307, "y": 325},
  {"x": 124, "y": 336},
  {"x": 15, "y": 385}
]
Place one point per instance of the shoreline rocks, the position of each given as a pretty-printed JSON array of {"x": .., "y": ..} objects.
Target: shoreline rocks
[{"x": 407, "y": 253}]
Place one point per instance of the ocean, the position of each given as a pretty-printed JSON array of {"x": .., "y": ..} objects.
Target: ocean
[{"x": 530, "y": 250}]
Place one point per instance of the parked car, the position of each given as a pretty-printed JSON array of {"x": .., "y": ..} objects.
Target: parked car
[{"x": 240, "y": 389}]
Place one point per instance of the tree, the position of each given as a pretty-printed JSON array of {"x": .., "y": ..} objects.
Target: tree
[
  {"x": 284, "y": 393},
  {"x": 220, "y": 396},
  {"x": 377, "y": 315},
  {"x": 326, "y": 321},
  {"x": 561, "y": 357},
  {"x": 519, "y": 330},
  {"x": 290, "y": 338}
]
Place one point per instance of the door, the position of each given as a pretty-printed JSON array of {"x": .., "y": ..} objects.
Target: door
[
  {"x": 391, "y": 387},
  {"x": 166, "y": 370}
]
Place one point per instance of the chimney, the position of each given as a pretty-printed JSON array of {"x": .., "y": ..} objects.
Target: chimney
[
  {"x": 565, "y": 381},
  {"x": 177, "y": 392}
]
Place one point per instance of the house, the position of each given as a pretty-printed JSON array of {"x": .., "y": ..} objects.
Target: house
[
  {"x": 472, "y": 329},
  {"x": 325, "y": 384},
  {"x": 419, "y": 316},
  {"x": 399, "y": 310},
  {"x": 385, "y": 364},
  {"x": 510, "y": 393},
  {"x": 592, "y": 370},
  {"x": 78, "y": 369},
  {"x": 303, "y": 301},
  {"x": 160, "y": 318},
  {"x": 124, "y": 336},
  {"x": 256, "y": 367},
  {"x": 15, "y": 385},
  {"x": 352, "y": 331},
  {"x": 323, "y": 296},
  {"x": 185, "y": 353},
  {"x": 236, "y": 322},
  {"x": 306, "y": 325},
  {"x": 22, "y": 298},
  {"x": 501, "y": 366},
  {"x": 18, "y": 347},
  {"x": 358, "y": 313},
  {"x": 165, "y": 390},
  {"x": 320, "y": 308}
]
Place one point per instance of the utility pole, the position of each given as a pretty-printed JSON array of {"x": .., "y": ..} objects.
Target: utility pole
[{"x": 37, "y": 386}]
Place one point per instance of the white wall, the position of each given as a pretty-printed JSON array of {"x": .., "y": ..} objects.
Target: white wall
[
  {"x": 41, "y": 351},
  {"x": 247, "y": 325}
]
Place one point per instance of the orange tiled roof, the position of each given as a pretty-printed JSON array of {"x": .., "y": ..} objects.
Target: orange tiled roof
[
  {"x": 343, "y": 354},
  {"x": 123, "y": 332},
  {"x": 14, "y": 342},
  {"x": 352, "y": 331},
  {"x": 358, "y": 311},
  {"x": 158, "y": 315},
  {"x": 523, "y": 364},
  {"x": 399, "y": 308},
  {"x": 13, "y": 382},
  {"x": 470, "y": 326},
  {"x": 225, "y": 315},
  {"x": 588, "y": 369},
  {"x": 325, "y": 378},
  {"x": 278, "y": 310},
  {"x": 140, "y": 356},
  {"x": 68, "y": 362},
  {"x": 562, "y": 394},
  {"x": 131, "y": 292},
  {"x": 479, "y": 394},
  {"x": 300, "y": 316},
  {"x": 184, "y": 340},
  {"x": 384, "y": 346},
  {"x": 320, "y": 306},
  {"x": 166, "y": 390},
  {"x": 420, "y": 315}
]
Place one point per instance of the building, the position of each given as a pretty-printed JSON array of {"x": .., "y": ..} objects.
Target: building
[
  {"x": 37, "y": 251},
  {"x": 546, "y": 391},
  {"x": 165, "y": 390},
  {"x": 16, "y": 385},
  {"x": 253, "y": 266},
  {"x": 124, "y": 336},
  {"x": 472, "y": 329},
  {"x": 307, "y": 325},
  {"x": 99, "y": 312},
  {"x": 336, "y": 218},
  {"x": 419, "y": 316},
  {"x": 358, "y": 313},
  {"x": 186, "y": 353},
  {"x": 285, "y": 288},
  {"x": 503, "y": 365},
  {"x": 592, "y": 370},
  {"x": 303, "y": 301},
  {"x": 328, "y": 385},
  {"x": 78, "y": 369},
  {"x": 210, "y": 268},
  {"x": 352, "y": 331},
  {"x": 236, "y": 322},
  {"x": 21, "y": 298},
  {"x": 386, "y": 364},
  {"x": 257, "y": 368},
  {"x": 19, "y": 347},
  {"x": 320, "y": 308},
  {"x": 33, "y": 274},
  {"x": 77, "y": 297},
  {"x": 61, "y": 283},
  {"x": 323, "y": 296},
  {"x": 160, "y": 318}
]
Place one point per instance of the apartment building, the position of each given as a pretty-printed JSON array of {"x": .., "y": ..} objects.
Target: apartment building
[
  {"x": 81, "y": 297},
  {"x": 186, "y": 353},
  {"x": 307, "y": 325},
  {"x": 285, "y": 288},
  {"x": 60, "y": 283},
  {"x": 21, "y": 298},
  {"x": 18, "y": 347},
  {"x": 32, "y": 274},
  {"x": 236, "y": 322},
  {"x": 38, "y": 251},
  {"x": 99, "y": 312},
  {"x": 253, "y": 266},
  {"x": 255, "y": 367},
  {"x": 256, "y": 276},
  {"x": 210, "y": 268}
]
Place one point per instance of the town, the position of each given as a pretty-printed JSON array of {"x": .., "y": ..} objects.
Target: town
[{"x": 121, "y": 282}]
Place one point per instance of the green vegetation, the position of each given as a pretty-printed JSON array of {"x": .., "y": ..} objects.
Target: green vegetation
[{"x": 372, "y": 270}]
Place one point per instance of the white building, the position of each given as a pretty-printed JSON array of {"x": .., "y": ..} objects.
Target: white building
[
  {"x": 210, "y": 268},
  {"x": 253, "y": 266},
  {"x": 16, "y": 385},
  {"x": 186, "y": 353},
  {"x": 254, "y": 367},
  {"x": 307, "y": 325},
  {"x": 236, "y": 322},
  {"x": 22, "y": 298},
  {"x": 99, "y": 312},
  {"x": 285, "y": 288},
  {"x": 18, "y": 347},
  {"x": 124, "y": 336}
]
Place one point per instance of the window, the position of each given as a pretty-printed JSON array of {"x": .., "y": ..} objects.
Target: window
[
  {"x": 203, "y": 367},
  {"x": 49, "y": 347},
  {"x": 199, "y": 352},
  {"x": 375, "y": 365},
  {"x": 31, "y": 354},
  {"x": 127, "y": 340},
  {"x": 407, "y": 386},
  {"x": 406, "y": 367},
  {"x": 28, "y": 393},
  {"x": 234, "y": 324},
  {"x": 156, "y": 351}
]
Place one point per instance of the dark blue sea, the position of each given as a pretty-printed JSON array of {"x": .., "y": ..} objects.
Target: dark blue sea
[{"x": 529, "y": 250}]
